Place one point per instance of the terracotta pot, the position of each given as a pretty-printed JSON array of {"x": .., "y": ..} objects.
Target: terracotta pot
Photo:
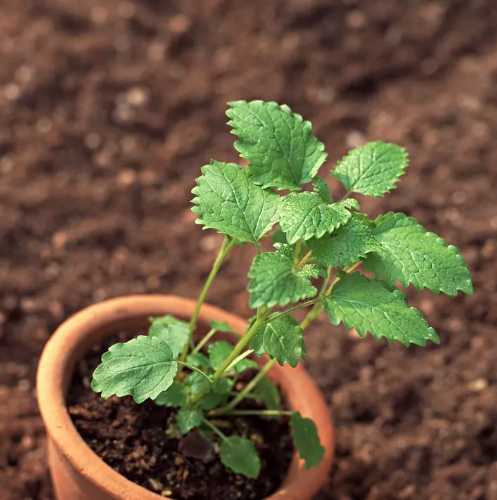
[{"x": 77, "y": 472}]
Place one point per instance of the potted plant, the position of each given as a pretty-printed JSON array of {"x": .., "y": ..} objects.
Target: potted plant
[{"x": 206, "y": 375}]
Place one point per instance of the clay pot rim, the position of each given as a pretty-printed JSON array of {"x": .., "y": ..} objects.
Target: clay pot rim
[{"x": 65, "y": 346}]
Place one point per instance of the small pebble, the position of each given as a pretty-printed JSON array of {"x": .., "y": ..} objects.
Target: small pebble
[{"x": 12, "y": 91}]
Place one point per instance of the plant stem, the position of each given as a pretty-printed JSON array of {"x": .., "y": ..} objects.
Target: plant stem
[
  {"x": 268, "y": 413},
  {"x": 304, "y": 259},
  {"x": 213, "y": 428},
  {"x": 223, "y": 251},
  {"x": 261, "y": 318},
  {"x": 248, "y": 388},
  {"x": 195, "y": 369},
  {"x": 318, "y": 307},
  {"x": 326, "y": 280},
  {"x": 292, "y": 309},
  {"x": 297, "y": 251},
  {"x": 312, "y": 315},
  {"x": 204, "y": 341},
  {"x": 243, "y": 355}
]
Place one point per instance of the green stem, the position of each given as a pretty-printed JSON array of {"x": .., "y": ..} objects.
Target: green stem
[
  {"x": 292, "y": 309},
  {"x": 223, "y": 251},
  {"x": 297, "y": 251},
  {"x": 326, "y": 280},
  {"x": 213, "y": 428},
  {"x": 304, "y": 259},
  {"x": 318, "y": 307},
  {"x": 243, "y": 355},
  {"x": 248, "y": 388},
  {"x": 195, "y": 369},
  {"x": 268, "y": 413},
  {"x": 204, "y": 341},
  {"x": 261, "y": 318},
  {"x": 312, "y": 314}
]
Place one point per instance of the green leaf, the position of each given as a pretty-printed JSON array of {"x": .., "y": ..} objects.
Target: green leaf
[
  {"x": 305, "y": 215},
  {"x": 279, "y": 236},
  {"x": 351, "y": 203},
  {"x": 281, "y": 339},
  {"x": 221, "y": 326},
  {"x": 347, "y": 245},
  {"x": 306, "y": 439},
  {"x": 143, "y": 368},
  {"x": 195, "y": 382},
  {"x": 368, "y": 305},
  {"x": 175, "y": 396},
  {"x": 220, "y": 390},
  {"x": 188, "y": 418},
  {"x": 410, "y": 254},
  {"x": 173, "y": 331},
  {"x": 372, "y": 169},
  {"x": 276, "y": 281},
  {"x": 323, "y": 190},
  {"x": 268, "y": 394},
  {"x": 198, "y": 360},
  {"x": 239, "y": 454},
  {"x": 219, "y": 351},
  {"x": 222, "y": 386},
  {"x": 280, "y": 145},
  {"x": 227, "y": 200}
]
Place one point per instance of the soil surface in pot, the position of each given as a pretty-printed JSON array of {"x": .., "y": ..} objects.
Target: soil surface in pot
[
  {"x": 131, "y": 438},
  {"x": 108, "y": 110}
]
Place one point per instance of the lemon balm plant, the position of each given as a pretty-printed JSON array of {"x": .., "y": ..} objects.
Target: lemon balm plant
[{"x": 316, "y": 238}]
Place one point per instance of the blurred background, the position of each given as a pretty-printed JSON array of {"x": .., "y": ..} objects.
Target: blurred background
[{"x": 109, "y": 109}]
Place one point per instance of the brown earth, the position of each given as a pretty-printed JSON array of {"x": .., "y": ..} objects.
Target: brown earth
[{"x": 108, "y": 110}]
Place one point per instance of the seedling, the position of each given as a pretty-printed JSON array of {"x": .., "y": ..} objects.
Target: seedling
[{"x": 315, "y": 238}]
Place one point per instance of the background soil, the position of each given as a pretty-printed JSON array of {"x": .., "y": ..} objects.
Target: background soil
[{"x": 108, "y": 110}]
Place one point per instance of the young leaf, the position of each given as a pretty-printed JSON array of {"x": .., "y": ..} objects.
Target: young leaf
[
  {"x": 188, "y": 418},
  {"x": 281, "y": 339},
  {"x": 276, "y": 281},
  {"x": 351, "y": 203},
  {"x": 221, "y": 326},
  {"x": 175, "y": 396},
  {"x": 323, "y": 190},
  {"x": 239, "y": 454},
  {"x": 279, "y": 144},
  {"x": 347, "y": 245},
  {"x": 143, "y": 368},
  {"x": 372, "y": 169},
  {"x": 370, "y": 306},
  {"x": 268, "y": 394},
  {"x": 305, "y": 215},
  {"x": 173, "y": 331},
  {"x": 227, "y": 200},
  {"x": 219, "y": 351},
  {"x": 198, "y": 360},
  {"x": 410, "y": 254},
  {"x": 306, "y": 439}
]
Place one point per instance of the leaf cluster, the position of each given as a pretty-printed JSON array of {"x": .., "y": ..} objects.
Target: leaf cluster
[{"x": 315, "y": 239}]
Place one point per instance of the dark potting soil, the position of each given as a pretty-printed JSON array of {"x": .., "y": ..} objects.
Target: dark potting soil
[
  {"x": 109, "y": 109},
  {"x": 132, "y": 439}
]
